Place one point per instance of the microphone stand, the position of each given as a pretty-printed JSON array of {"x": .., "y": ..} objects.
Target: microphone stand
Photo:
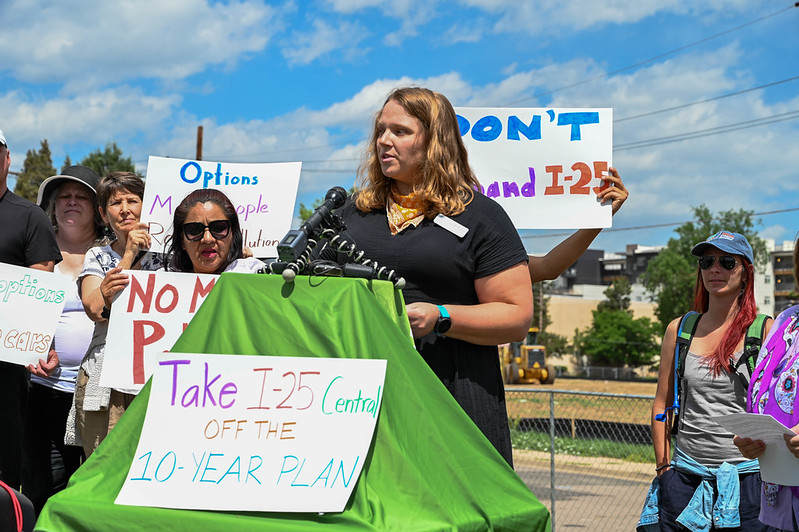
[{"x": 362, "y": 268}]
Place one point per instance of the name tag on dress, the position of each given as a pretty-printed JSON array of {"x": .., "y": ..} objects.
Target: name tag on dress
[{"x": 451, "y": 225}]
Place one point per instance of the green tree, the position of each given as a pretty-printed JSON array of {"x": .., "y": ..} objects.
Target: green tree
[
  {"x": 670, "y": 277},
  {"x": 67, "y": 163},
  {"x": 555, "y": 343},
  {"x": 541, "y": 305},
  {"x": 306, "y": 212},
  {"x": 38, "y": 166},
  {"x": 618, "y": 296},
  {"x": 109, "y": 160},
  {"x": 615, "y": 338}
]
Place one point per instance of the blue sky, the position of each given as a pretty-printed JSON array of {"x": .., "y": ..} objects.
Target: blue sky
[{"x": 286, "y": 81}]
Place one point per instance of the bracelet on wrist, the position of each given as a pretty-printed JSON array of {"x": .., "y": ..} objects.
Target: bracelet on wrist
[{"x": 661, "y": 468}]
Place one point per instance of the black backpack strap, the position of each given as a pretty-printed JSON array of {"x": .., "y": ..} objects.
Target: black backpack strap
[
  {"x": 685, "y": 334},
  {"x": 752, "y": 343},
  {"x": 687, "y": 328}
]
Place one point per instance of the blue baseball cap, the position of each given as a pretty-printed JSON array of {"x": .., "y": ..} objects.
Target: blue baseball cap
[{"x": 727, "y": 241}]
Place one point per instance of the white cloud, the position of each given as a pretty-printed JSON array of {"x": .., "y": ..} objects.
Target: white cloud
[
  {"x": 749, "y": 169},
  {"x": 551, "y": 16},
  {"x": 87, "y": 44},
  {"x": 95, "y": 118},
  {"x": 471, "y": 32},
  {"x": 351, "y": 6},
  {"x": 303, "y": 47},
  {"x": 412, "y": 15}
]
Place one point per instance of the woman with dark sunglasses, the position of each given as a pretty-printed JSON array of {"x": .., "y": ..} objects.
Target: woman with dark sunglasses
[
  {"x": 206, "y": 236},
  {"x": 706, "y": 483}
]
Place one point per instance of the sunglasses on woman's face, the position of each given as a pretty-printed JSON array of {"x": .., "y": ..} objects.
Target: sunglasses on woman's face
[
  {"x": 195, "y": 230},
  {"x": 726, "y": 261}
]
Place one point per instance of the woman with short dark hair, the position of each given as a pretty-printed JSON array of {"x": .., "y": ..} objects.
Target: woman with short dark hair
[{"x": 119, "y": 199}]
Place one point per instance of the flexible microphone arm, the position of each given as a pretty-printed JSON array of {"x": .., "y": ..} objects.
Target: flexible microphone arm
[
  {"x": 296, "y": 241},
  {"x": 343, "y": 246},
  {"x": 362, "y": 268},
  {"x": 297, "y": 247}
]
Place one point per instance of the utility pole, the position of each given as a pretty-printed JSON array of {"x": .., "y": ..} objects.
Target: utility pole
[
  {"x": 541, "y": 308},
  {"x": 199, "y": 143}
]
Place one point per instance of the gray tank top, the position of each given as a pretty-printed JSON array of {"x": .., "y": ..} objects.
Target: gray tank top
[{"x": 704, "y": 397}]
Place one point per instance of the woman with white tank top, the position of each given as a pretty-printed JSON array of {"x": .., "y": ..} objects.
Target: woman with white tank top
[{"x": 69, "y": 199}]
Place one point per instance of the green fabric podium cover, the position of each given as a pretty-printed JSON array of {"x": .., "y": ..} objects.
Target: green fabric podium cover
[{"x": 429, "y": 467}]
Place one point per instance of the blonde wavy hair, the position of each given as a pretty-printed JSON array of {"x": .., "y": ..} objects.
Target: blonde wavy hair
[{"x": 445, "y": 182}]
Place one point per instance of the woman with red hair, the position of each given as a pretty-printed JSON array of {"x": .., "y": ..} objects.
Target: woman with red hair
[{"x": 706, "y": 483}]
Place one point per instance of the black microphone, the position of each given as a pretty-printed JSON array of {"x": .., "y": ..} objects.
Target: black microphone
[
  {"x": 294, "y": 243},
  {"x": 334, "y": 199}
]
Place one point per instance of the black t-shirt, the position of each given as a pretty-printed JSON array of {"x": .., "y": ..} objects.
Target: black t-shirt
[
  {"x": 440, "y": 268},
  {"x": 27, "y": 236}
]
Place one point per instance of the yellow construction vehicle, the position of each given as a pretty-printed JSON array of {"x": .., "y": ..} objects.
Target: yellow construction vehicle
[{"x": 525, "y": 362}]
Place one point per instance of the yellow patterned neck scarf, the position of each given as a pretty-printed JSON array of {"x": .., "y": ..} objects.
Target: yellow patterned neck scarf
[{"x": 403, "y": 211}]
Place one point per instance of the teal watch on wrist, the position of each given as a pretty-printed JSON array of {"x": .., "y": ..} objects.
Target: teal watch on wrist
[{"x": 443, "y": 323}]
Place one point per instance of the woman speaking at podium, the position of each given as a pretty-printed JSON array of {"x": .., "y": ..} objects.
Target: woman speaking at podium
[{"x": 468, "y": 287}]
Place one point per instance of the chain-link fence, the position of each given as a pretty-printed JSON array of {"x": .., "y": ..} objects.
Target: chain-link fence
[{"x": 587, "y": 456}]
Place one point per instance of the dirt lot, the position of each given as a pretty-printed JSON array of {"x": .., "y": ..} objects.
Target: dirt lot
[
  {"x": 576, "y": 406},
  {"x": 602, "y": 386}
]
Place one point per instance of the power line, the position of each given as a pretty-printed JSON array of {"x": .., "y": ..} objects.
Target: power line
[
  {"x": 717, "y": 130},
  {"x": 683, "y": 106},
  {"x": 737, "y": 126},
  {"x": 653, "y": 226},
  {"x": 633, "y": 145},
  {"x": 305, "y": 148},
  {"x": 655, "y": 58},
  {"x": 621, "y": 147},
  {"x": 324, "y": 171},
  {"x": 606, "y": 75},
  {"x": 781, "y": 117}
]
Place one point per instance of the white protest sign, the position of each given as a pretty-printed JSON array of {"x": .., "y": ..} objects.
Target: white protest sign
[
  {"x": 255, "y": 433},
  {"x": 147, "y": 318},
  {"x": 31, "y": 302},
  {"x": 263, "y": 194},
  {"x": 542, "y": 165}
]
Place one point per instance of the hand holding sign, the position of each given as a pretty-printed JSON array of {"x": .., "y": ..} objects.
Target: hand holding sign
[
  {"x": 613, "y": 190},
  {"x": 792, "y": 442},
  {"x": 113, "y": 283},
  {"x": 138, "y": 240},
  {"x": 45, "y": 368}
]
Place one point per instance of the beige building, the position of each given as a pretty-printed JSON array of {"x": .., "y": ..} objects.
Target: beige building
[{"x": 570, "y": 312}]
